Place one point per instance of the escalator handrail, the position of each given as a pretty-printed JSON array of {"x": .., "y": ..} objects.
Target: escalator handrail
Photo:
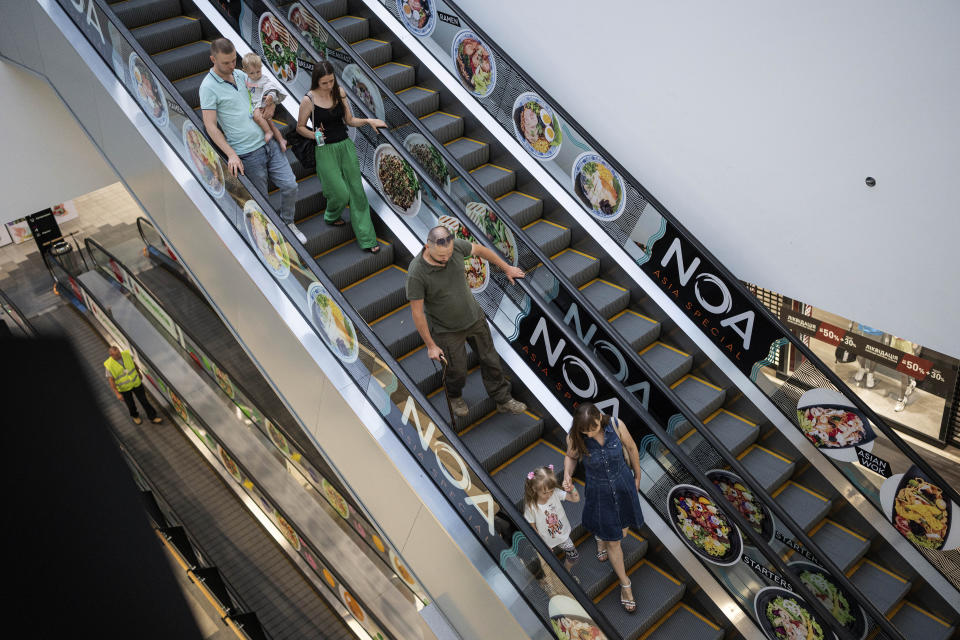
[
  {"x": 20, "y": 319},
  {"x": 90, "y": 242},
  {"x": 79, "y": 283},
  {"x": 798, "y": 533},
  {"x": 720, "y": 269},
  {"x": 506, "y": 506}
]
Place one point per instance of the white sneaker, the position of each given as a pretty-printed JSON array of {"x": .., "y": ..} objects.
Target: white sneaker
[
  {"x": 909, "y": 390},
  {"x": 871, "y": 383},
  {"x": 859, "y": 375},
  {"x": 293, "y": 227},
  {"x": 900, "y": 405}
]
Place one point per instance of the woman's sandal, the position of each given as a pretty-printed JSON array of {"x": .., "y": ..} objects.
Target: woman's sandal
[
  {"x": 374, "y": 249},
  {"x": 630, "y": 606},
  {"x": 339, "y": 222},
  {"x": 602, "y": 555}
]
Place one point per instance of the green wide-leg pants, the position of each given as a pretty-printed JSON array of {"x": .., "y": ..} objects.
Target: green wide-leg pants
[{"x": 339, "y": 173}]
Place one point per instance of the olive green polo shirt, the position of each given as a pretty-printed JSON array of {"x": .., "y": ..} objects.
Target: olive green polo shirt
[{"x": 447, "y": 301}]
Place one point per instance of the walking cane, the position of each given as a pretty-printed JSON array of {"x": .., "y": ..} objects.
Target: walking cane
[{"x": 443, "y": 381}]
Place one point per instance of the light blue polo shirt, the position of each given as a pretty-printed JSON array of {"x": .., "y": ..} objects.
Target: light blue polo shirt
[{"x": 234, "y": 110}]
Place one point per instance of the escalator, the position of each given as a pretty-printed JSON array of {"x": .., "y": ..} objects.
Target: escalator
[{"x": 378, "y": 300}]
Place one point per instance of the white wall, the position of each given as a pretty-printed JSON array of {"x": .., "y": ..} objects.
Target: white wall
[
  {"x": 755, "y": 123},
  {"x": 47, "y": 158}
]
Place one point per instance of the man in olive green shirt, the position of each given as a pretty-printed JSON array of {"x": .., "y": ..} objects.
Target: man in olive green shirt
[{"x": 447, "y": 316}]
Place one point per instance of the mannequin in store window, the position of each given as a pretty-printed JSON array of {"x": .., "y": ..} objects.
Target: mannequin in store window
[
  {"x": 907, "y": 383},
  {"x": 867, "y": 367}
]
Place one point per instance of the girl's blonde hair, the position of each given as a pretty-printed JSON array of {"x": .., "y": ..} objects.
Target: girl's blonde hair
[
  {"x": 251, "y": 61},
  {"x": 537, "y": 480}
]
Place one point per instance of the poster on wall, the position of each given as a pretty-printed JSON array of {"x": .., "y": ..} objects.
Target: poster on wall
[
  {"x": 65, "y": 211},
  {"x": 4, "y": 236}
]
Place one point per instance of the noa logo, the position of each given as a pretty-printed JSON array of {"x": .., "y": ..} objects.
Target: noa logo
[{"x": 87, "y": 6}]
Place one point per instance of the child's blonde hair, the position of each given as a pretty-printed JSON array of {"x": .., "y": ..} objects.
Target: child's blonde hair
[
  {"x": 251, "y": 61},
  {"x": 538, "y": 480}
]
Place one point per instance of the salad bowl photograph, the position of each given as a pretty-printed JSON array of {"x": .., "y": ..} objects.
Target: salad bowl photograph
[
  {"x": 148, "y": 91},
  {"x": 419, "y": 16},
  {"x": 570, "y": 621},
  {"x": 264, "y": 235},
  {"x": 397, "y": 180},
  {"x": 739, "y": 494},
  {"x": 536, "y": 126},
  {"x": 920, "y": 511},
  {"x": 783, "y": 615},
  {"x": 833, "y": 597},
  {"x": 494, "y": 228},
  {"x": 477, "y": 269},
  {"x": 336, "y": 329},
  {"x": 474, "y": 62},
  {"x": 703, "y": 526},
  {"x": 429, "y": 160},
  {"x": 364, "y": 89},
  {"x": 598, "y": 186},
  {"x": 205, "y": 160},
  {"x": 833, "y": 425},
  {"x": 309, "y": 27},
  {"x": 279, "y": 48}
]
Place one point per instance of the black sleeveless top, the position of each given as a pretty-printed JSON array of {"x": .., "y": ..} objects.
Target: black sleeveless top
[{"x": 334, "y": 128}]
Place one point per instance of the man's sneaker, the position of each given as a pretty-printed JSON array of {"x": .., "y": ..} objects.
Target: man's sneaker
[
  {"x": 302, "y": 238},
  {"x": 871, "y": 383},
  {"x": 859, "y": 375},
  {"x": 459, "y": 407},
  {"x": 137, "y": 420},
  {"x": 900, "y": 405},
  {"x": 909, "y": 389},
  {"x": 512, "y": 406},
  {"x": 157, "y": 420}
]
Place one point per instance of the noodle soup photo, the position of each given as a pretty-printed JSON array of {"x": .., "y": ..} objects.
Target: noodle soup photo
[
  {"x": 474, "y": 63},
  {"x": 148, "y": 92}
]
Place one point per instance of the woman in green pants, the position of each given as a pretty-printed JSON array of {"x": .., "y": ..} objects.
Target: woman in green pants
[{"x": 337, "y": 165}]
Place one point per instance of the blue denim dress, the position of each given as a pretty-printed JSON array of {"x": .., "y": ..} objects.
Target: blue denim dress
[{"x": 610, "y": 501}]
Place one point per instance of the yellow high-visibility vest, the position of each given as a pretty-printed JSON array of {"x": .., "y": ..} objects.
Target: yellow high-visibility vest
[{"x": 125, "y": 375}]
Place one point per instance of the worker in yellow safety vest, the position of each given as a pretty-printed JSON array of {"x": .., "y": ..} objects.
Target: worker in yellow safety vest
[{"x": 124, "y": 378}]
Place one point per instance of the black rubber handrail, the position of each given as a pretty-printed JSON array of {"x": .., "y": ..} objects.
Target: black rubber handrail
[
  {"x": 507, "y": 509},
  {"x": 650, "y": 376},
  {"x": 79, "y": 283},
  {"x": 90, "y": 242},
  {"x": 649, "y": 421},
  {"x": 718, "y": 268},
  {"x": 17, "y": 316}
]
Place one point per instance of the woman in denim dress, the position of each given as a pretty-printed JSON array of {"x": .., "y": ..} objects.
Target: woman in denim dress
[{"x": 611, "y": 504}]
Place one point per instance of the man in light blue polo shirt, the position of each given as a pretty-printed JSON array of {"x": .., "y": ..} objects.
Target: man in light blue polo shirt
[{"x": 226, "y": 102}]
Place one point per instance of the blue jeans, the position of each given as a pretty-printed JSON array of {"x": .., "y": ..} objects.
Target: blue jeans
[{"x": 266, "y": 161}]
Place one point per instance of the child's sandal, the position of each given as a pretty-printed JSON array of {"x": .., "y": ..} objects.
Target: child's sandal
[
  {"x": 602, "y": 555},
  {"x": 630, "y": 606}
]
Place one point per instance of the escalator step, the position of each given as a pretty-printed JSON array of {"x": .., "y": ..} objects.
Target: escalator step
[
  {"x": 136, "y": 13},
  {"x": 329, "y": 9},
  {"x": 669, "y": 363},
  {"x": 378, "y": 293},
  {"x": 684, "y": 622},
  {"x": 351, "y": 28},
  {"x": 469, "y": 153},
  {"x": 310, "y": 198},
  {"x": 494, "y": 179},
  {"x": 419, "y": 100},
  {"x": 608, "y": 299},
  {"x": 167, "y": 34},
  {"x": 915, "y": 622},
  {"x": 550, "y": 237},
  {"x": 702, "y": 397},
  {"x": 635, "y": 328},
  {"x": 841, "y": 545},
  {"x": 579, "y": 267},
  {"x": 883, "y": 588},
  {"x": 496, "y": 437},
  {"x": 397, "y": 331},
  {"x": 595, "y": 576},
  {"x": 348, "y": 262},
  {"x": 426, "y": 373},
  {"x": 374, "y": 52},
  {"x": 185, "y": 60},
  {"x": 734, "y": 432},
  {"x": 769, "y": 468},
  {"x": 474, "y": 394},
  {"x": 806, "y": 507},
  {"x": 511, "y": 475},
  {"x": 523, "y": 208},
  {"x": 396, "y": 76},
  {"x": 189, "y": 88},
  {"x": 443, "y": 126},
  {"x": 655, "y": 592},
  {"x": 321, "y": 236}
]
